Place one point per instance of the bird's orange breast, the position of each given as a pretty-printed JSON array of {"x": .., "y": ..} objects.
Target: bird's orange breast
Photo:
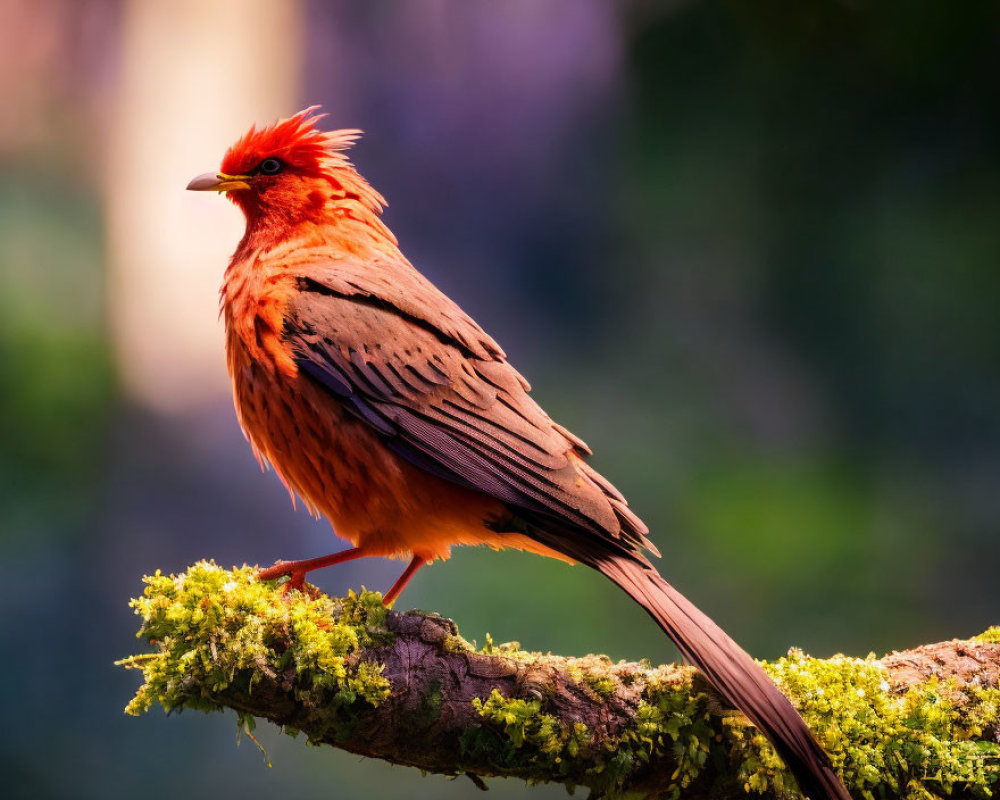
[{"x": 340, "y": 467}]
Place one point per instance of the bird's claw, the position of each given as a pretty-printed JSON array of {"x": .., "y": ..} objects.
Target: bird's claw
[
  {"x": 279, "y": 570},
  {"x": 296, "y": 577}
]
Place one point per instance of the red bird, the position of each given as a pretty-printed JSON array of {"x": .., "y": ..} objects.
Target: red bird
[{"x": 387, "y": 409}]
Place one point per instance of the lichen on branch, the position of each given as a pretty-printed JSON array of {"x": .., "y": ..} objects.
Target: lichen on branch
[
  {"x": 216, "y": 632},
  {"x": 409, "y": 689}
]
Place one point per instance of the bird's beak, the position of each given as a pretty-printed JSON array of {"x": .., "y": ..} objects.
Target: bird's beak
[{"x": 218, "y": 182}]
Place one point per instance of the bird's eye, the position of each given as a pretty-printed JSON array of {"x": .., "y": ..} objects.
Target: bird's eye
[{"x": 270, "y": 166}]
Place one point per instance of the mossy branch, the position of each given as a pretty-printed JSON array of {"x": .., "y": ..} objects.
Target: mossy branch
[{"x": 405, "y": 687}]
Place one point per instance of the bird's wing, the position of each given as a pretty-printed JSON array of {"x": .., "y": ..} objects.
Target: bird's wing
[{"x": 463, "y": 416}]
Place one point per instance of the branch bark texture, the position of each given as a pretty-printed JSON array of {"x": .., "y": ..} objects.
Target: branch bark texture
[{"x": 407, "y": 688}]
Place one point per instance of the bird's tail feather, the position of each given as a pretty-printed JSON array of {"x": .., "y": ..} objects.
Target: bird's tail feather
[{"x": 730, "y": 671}]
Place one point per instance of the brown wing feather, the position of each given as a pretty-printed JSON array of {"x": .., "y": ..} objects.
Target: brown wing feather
[
  {"x": 393, "y": 283},
  {"x": 461, "y": 413}
]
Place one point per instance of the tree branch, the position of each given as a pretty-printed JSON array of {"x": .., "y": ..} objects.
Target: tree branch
[{"x": 405, "y": 687}]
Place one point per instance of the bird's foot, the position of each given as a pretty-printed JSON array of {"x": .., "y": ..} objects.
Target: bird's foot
[
  {"x": 280, "y": 570},
  {"x": 296, "y": 570},
  {"x": 296, "y": 577}
]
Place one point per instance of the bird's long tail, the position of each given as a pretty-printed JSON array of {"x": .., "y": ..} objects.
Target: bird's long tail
[{"x": 728, "y": 668}]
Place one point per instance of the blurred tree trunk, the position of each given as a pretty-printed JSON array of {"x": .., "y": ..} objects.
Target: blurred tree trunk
[{"x": 195, "y": 73}]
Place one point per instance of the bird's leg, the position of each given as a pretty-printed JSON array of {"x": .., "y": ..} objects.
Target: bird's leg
[
  {"x": 296, "y": 570},
  {"x": 403, "y": 579}
]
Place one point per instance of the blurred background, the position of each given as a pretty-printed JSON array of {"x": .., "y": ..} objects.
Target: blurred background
[{"x": 749, "y": 252}]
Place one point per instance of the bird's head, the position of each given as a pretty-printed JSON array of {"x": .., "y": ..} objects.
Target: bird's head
[{"x": 292, "y": 172}]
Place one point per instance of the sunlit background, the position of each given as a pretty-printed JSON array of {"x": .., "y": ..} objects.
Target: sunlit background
[{"x": 748, "y": 251}]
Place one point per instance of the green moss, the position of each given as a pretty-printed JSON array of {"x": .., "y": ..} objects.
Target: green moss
[
  {"x": 917, "y": 744},
  {"x": 532, "y": 737},
  {"x": 596, "y": 673},
  {"x": 673, "y": 714},
  {"x": 990, "y": 636},
  {"x": 671, "y": 720},
  {"x": 216, "y": 630},
  {"x": 603, "y": 685},
  {"x": 509, "y": 650},
  {"x": 926, "y": 742},
  {"x": 456, "y": 644}
]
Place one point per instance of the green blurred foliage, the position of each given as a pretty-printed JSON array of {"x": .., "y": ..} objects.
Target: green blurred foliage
[
  {"x": 810, "y": 197},
  {"x": 55, "y": 371}
]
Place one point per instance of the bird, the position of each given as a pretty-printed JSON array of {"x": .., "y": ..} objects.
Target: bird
[{"x": 387, "y": 409}]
